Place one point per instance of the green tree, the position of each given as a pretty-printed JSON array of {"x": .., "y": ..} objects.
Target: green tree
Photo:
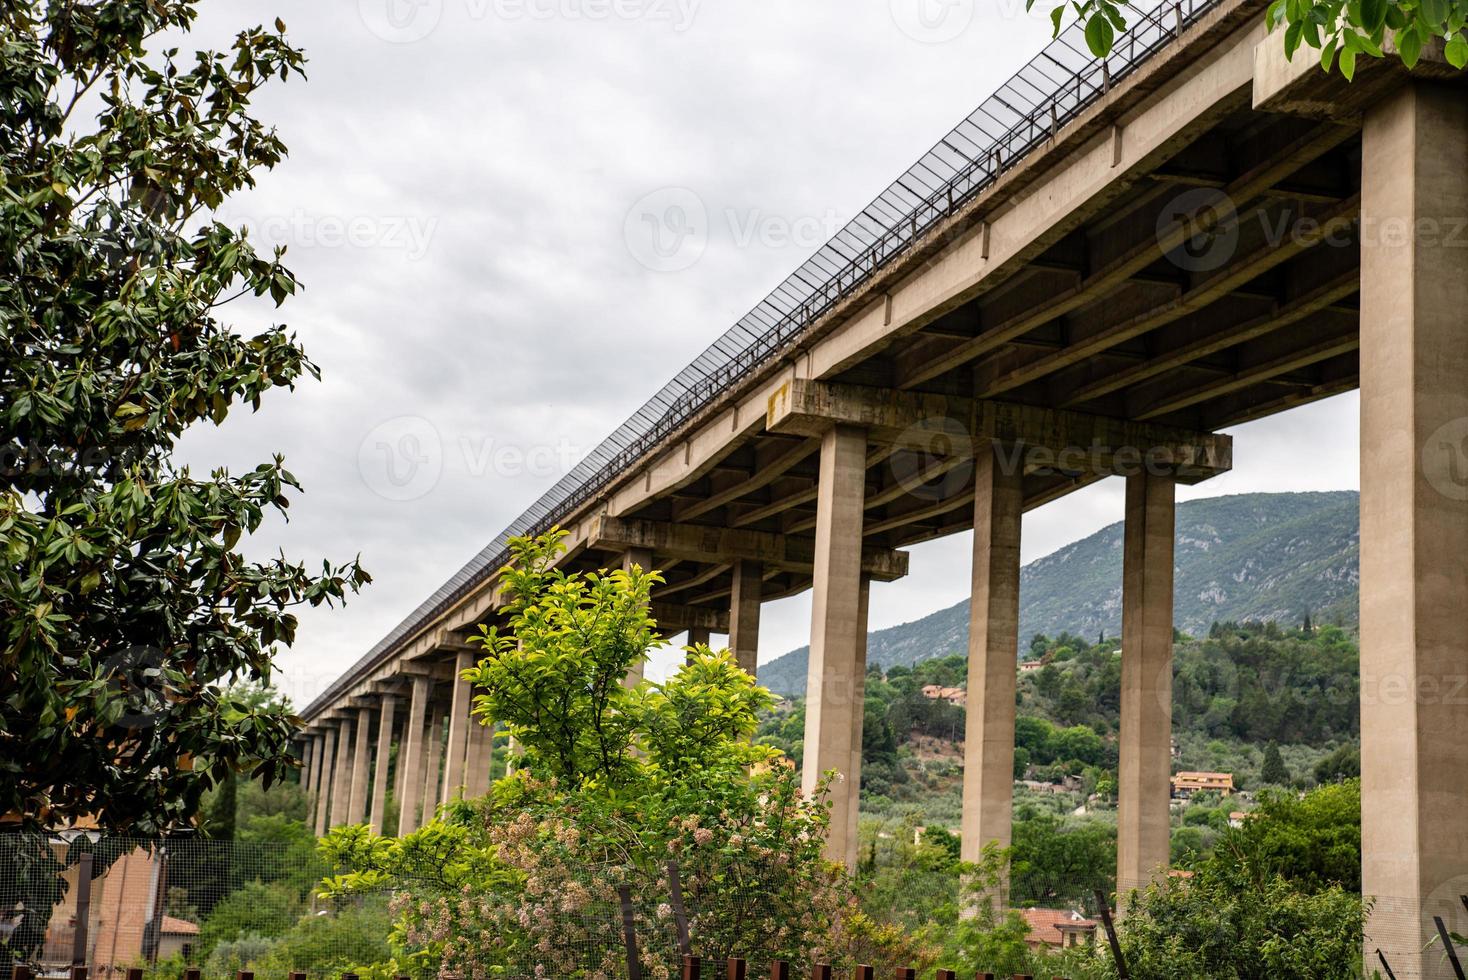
[
  {"x": 1349, "y": 29},
  {"x": 127, "y": 609},
  {"x": 616, "y": 780},
  {"x": 1273, "y": 769}
]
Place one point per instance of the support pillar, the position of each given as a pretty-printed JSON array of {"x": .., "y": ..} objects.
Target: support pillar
[
  {"x": 341, "y": 787},
  {"x": 411, "y": 756},
  {"x": 357, "y": 810},
  {"x": 308, "y": 749},
  {"x": 323, "y": 791},
  {"x": 859, "y": 695},
  {"x": 384, "y": 754},
  {"x": 993, "y": 656},
  {"x": 476, "y": 775},
  {"x": 1414, "y": 523},
  {"x": 433, "y": 764},
  {"x": 1144, "y": 768},
  {"x": 744, "y": 607},
  {"x": 698, "y": 635},
  {"x": 832, "y": 687},
  {"x": 456, "y": 752},
  {"x": 641, "y": 558}
]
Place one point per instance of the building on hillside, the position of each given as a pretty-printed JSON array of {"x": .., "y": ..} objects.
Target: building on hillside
[
  {"x": 1185, "y": 784},
  {"x": 1058, "y": 928},
  {"x": 1030, "y": 666},
  {"x": 953, "y": 695}
]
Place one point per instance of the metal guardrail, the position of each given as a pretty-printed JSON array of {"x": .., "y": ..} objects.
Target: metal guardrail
[{"x": 1027, "y": 110}]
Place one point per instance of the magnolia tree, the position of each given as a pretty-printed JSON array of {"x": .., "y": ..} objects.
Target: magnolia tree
[{"x": 619, "y": 786}]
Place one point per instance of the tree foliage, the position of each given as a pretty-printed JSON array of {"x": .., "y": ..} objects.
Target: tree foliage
[
  {"x": 617, "y": 780},
  {"x": 1342, "y": 31},
  {"x": 127, "y": 608}
]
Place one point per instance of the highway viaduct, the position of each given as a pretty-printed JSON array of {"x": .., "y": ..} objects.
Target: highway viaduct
[{"x": 1093, "y": 274}]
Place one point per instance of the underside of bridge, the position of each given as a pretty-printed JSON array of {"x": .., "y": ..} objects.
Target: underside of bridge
[
  {"x": 1255, "y": 311},
  {"x": 1192, "y": 248}
]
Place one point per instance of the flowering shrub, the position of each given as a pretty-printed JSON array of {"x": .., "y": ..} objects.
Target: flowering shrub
[{"x": 620, "y": 787}]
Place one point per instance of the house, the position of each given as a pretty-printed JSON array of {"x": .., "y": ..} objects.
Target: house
[
  {"x": 1058, "y": 928},
  {"x": 124, "y": 922},
  {"x": 953, "y": 695},
  {"x": 177, "y": 937},
  {"x": 1185, "y": 784},
  {"x": 1030, "y": 666}
]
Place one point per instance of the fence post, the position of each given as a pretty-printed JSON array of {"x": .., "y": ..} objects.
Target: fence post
[
  {"x": 736, "y": 969},
  {"x": 78, "y": 973},
  {"x": 1104, "y": 904},
  {"x": 906, "y": 973},
  {"x": 20, "y": 972},
  {"x": 821, "y": 971},
  {"x": 947, "y": 975},
  {"x": 349, "y": 976},
  {"x": 134, "y": 973},
  {"x": 629, "y": 933},
  {"x": 692, "y": 967},
  {"x": 779, "y": 970},
  {"x": 245, "y": 975},
  {"x": 680, "y": 913},
  {"x": 192, "y": 973},
  {"x": 83, "y": 914},
  {"x": 1447, "y": 938},
  {"x": 864, "y": 972}
]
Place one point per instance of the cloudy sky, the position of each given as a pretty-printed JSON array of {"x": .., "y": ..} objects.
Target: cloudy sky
[{"x": 463, "y": 202}]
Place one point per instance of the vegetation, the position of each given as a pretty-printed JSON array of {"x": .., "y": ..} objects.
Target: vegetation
[
  {"x": 616, "y": 781},
  {"x": 127, "y": 606},
  {"x": 1348, "y": 28}
]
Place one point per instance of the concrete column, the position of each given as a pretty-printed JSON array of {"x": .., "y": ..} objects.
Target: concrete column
[
  {"x": 361, "y": 762},
  {"x": 457, "y": 749},
  {"x": 744, "y": 606},
  {"x": 308, "y": 745},
  {"x": 993, "y": 657},
  {"x": 833, "y": 685},
  {"x": 341, "y": 787},
  {"x": 697, "y": 635},
  {"x": 476, "y": 765},
  {"x": 323, "y": 792},
  {"x": 1144, "y": 768},
  {"x": 1414, "y": 523},
  {"x": 859, "y": 694},
  {"x": 384, "y": 754},
  {"x": 642, "y": 558},
  {"x": 318, "y": 766},
  {"x": 433, "y": 764},
  {"x": 411, "y": 756}
]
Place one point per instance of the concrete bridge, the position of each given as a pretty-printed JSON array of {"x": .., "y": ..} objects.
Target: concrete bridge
[{"x": 1096, "y": 271}]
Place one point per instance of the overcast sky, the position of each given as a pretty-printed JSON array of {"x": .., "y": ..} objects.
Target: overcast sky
[{"x": 464, "y": 201}]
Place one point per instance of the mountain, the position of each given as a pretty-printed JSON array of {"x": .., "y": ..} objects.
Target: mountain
[{"x": 1255, "y": 556}]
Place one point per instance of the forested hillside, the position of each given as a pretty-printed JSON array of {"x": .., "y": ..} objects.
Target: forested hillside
[
  {"x": 1267, "y": 703},
  {"x": 1249, "y": 557}
]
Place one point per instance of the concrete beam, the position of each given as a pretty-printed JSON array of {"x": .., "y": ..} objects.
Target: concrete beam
[
  {"x": 689, "y": 617},
  {"x": 1053, "y": 438},
  {"x": 698, "y": 543}
]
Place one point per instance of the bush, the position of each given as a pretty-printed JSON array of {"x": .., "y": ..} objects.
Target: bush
[
  {"x": 331, "y": 943},
  {"x": 257, "y": 910}
]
